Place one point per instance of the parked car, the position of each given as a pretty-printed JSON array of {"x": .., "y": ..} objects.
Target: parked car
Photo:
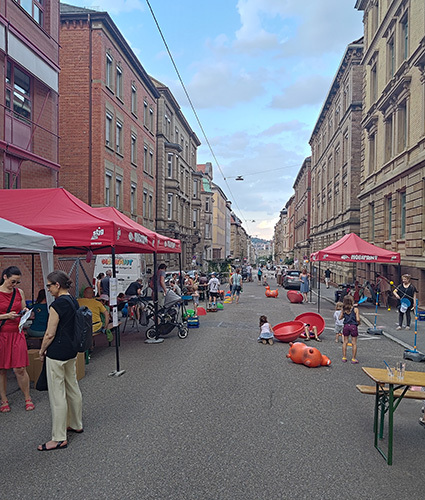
[{"x": 292, "y": 280}]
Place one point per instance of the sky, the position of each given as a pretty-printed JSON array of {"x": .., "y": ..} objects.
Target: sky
[{"x": 257, "y": 73}]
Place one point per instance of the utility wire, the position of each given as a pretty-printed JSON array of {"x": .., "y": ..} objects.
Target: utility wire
[{"x": 193, "y": 107}]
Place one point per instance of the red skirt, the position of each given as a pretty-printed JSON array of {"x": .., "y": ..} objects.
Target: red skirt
[{"x": 13, "y": 349}]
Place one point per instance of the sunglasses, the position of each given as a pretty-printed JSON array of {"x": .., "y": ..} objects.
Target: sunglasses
[
  {"x": 14, "y": 282},
  {"x": 48, "y": 285}
]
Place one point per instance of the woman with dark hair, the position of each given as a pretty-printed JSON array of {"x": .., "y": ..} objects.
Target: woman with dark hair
[
  {"x": 13, "y": 346},
  {"x": 39, "y": 315},
  {"x": 61, "y": 355}
]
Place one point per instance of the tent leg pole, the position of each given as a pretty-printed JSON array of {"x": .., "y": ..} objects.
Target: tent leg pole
[
  {"x": 155, "y": 294},
  {"x": 318, "y": 290},
  {"x": 117, "y": 372},
  {"x": 32, "y": 278}
]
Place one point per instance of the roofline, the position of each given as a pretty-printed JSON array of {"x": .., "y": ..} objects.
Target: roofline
[{"x": 106, "y": 19}]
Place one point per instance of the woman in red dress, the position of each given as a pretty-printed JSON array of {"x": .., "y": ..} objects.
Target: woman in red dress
[{"x": 13, "y": 347}]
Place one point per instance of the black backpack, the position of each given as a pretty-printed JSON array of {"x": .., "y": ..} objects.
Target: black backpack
[{"x": 83, "y": 328}]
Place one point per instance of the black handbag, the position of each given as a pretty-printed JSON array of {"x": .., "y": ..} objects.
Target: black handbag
[
  {"x": 41, "y": 384},
  {"x": 10, "y": 307}
]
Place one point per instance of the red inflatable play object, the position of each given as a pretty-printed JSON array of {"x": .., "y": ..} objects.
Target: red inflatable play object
[
  {"x": 294, "y": 296},
  {"x": 313, "y": 319},
  {"x": 289, "y": 331}
]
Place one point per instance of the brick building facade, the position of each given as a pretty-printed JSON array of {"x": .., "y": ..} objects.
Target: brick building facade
[{"x": 108, "y": 112}]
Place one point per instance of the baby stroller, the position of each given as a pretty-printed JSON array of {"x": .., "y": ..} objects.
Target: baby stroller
[{"x": 169, "y": 317}]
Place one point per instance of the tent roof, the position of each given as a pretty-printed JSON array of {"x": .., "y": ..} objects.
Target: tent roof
[
  {"x": 75, "y": 226},
  {"x": 18, "y": 239},
  {"x": 351, "y": 248},
  {"x": 159, "y": 243}
]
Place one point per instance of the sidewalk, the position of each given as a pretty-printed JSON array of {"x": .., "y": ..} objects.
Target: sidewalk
[{"x": 385, "y": 319}]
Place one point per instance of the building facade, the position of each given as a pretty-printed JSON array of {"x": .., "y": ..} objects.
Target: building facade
[
  {"x": 393, "y": 164},
  {"x": 205, "y": 248},
  {"x": 221, "y": 218},
  {"x": 29, "y": 84},
  {"x": 178, "y": 183},
  {"x": 238, "y": 241},
  {"x": 108, "y": 117},
  {"x": 302, "y": 201},
  {"x": 336, "y": 158}
]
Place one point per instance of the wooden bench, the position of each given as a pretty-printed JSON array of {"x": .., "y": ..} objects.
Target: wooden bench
[{"x": 371, "y": 389}]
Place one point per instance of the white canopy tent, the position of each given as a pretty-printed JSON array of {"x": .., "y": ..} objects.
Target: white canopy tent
[{"x": 16, "y": 239}]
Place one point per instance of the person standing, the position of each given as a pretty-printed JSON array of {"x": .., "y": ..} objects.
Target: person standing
[
  {"x": 161, "y": 286},
  {"x": 60, "y": 357},
  {"x": 104, "y": 283},
  {"x": 39, "y": 316},
  {"x": 406, "y": 294},
  {"x": 327, "y": 277},
  {"x": 213, "y": 289},
  {"x": 305, "y": 287},
  {"x": 260, "y": 274},
  {"x": 351, "y": 316},
  {"x": 13, "y": 346}
]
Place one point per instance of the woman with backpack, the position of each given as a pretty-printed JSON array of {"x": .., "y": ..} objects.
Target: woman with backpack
[{"x": 59, "y": 353}]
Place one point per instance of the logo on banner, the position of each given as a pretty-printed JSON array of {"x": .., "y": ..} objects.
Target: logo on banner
[
  {"x": 97, "y": 232},
  {"x": 118, "y": 234},
  {"x": 138, "y": 238},
  {"x": 169, "y": 244}
]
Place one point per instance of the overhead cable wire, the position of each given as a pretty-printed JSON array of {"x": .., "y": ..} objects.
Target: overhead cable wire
[{"x": 193, "y": 108}]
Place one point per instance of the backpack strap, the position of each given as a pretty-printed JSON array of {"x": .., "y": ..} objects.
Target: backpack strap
[{"x": 12, "y": 300}]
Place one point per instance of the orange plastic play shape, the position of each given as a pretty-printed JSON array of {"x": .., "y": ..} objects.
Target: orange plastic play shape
[
  {"x": 296, "y": 352},
  {"x": 289, "y": 331},
  {"x": 308, "y": 356}
]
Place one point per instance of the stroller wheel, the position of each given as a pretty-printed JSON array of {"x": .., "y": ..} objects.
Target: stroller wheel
[
  {"x": 183, "y": 332},
  {"x": 150, "y": 333}
]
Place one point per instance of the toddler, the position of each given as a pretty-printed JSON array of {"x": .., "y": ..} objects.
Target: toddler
[
  {"x": 351, "y": 317},
  {"x": 266, "y": 331},
  {"x": 339, "y": 323}
]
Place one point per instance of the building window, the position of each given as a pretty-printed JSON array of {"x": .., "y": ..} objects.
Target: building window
[
  {"x": 195, "y": 218},
  {"x": 345, "y": 147},
  {"x": 391, "y": 58},
  {"x": 195, "y": 188},
  {"x": 372, "y": 222},
  {"x": 134, "y": 100},
  {"x": 108, "y": 130},
  {"x": 207, "y": 205},
  {"x": 145, "y": 159},
  {"x": 372, "y": 152},
  {"x": 389, "y": 217},
  {"x": 118, "y": 187},
  {"x": 402, "y": 126},
  {"x": 373, "y": 84},
  {"x": 134, "y": 149},
  {"x": 35, "y": 9},
  {"x": 119, "y": 83},
  {"x": 150, "y": 162},
  {"x": 404, "y": 39},
  {"x": 170, "y": 157},
  {"x": 18, "y": 85},
  {"x": 150, "y": 207},
  {"x": 133, "y": 198},
  {"x": 145, "y": 113},
  {"x": 145, "y": 203},
  {"x": 167, "y": 126},
  {"x": 118, "y": 137},
  {"x": 151, "y": 122},
  {"x": 176, "y": 137},
  {"x": 169, "y": 206},
  {"x": 108, "y": 182},
  {"x": 109, "y": 62},
  {"x": 403, "y": 215},
  {"x": 388, "y": 138}
]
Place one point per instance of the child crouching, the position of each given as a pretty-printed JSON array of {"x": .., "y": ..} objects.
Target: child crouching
[{"x": 266, "y": 331}]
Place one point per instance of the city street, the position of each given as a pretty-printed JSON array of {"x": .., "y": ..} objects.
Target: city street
[{"x": 219, "y": 416}]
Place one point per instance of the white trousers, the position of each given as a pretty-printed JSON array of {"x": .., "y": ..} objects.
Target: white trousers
[{"x": 65, "y": 397}]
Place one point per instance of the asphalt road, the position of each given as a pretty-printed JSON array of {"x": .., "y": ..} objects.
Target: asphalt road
[{"x": 219, "y": 416}]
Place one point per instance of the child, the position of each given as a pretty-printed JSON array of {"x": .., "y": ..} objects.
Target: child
[
  {"x": 308, "y": 330},
  {"x": 350, "y": 315},
  {"x": 266, "y": 331},
  {"x": 339, "y": 323},
  {"x": 195, "y": 298}
]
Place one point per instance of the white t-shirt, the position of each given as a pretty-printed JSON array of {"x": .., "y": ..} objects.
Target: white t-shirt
[
  {"x": 265, "y": 328},
  {"x": 338, "y": 322},
  {"x": 213, "y": 285}
]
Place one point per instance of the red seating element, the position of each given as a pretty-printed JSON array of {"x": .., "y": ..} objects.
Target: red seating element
[
  {"x": 294, "y": 296},
  {"x": 308, "y": 356},
  {"x": 313, "y": 319},
  {"x": 289, "y": 331}
]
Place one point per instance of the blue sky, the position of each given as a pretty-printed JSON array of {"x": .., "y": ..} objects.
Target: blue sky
[{"x": 257, "y": 72}]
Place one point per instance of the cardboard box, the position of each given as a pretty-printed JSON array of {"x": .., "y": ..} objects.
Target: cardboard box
[{"x": 35, "y": 365}]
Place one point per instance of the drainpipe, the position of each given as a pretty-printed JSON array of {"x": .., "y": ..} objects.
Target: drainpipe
[{"x": 90, "y": 172}]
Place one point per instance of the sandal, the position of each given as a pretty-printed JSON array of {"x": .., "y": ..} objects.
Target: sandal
[
  {"x": 318, "y": 340},
  {"x": 77, "y": 431},
  {"x": 29, "y": 405},
  {"x": 422, "y": 421},
  {"x": 354, "y": 361},
  {"x": 59, "y": 446},
  {"x": 344, "y": 360},
  {"x": 4, "y": 407}
]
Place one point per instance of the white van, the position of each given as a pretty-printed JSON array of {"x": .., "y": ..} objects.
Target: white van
[{"x": 128, "y": 267}]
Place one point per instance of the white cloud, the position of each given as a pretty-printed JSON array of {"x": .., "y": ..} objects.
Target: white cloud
[{"x": 308, "y": 90}]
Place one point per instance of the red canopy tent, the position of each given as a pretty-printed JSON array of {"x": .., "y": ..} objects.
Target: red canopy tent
[
  {"x": 351, "y": 248},
  {"x": 78, "y": 228}
]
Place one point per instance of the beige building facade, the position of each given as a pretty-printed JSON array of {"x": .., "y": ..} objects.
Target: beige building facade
[
  {"x": 220, "y": 220},
  {"x": 302, "y": 212},
  {"x": 392, "y": 184},
  {"x": 335, "y": 160}
]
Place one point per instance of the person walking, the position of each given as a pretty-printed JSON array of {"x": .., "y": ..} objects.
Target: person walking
[
  {"x": 351, "y": 316},
  {"x": 13, "y": 346},
  {"x": 236, "y": 285},
  {"x": 327, "y": 277},
  {"x": 305, "y": 287},
  {"x": 213, "y": 289},
  {"x": 406, "y": 294},
  {"x": 58, "y": 352}
]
